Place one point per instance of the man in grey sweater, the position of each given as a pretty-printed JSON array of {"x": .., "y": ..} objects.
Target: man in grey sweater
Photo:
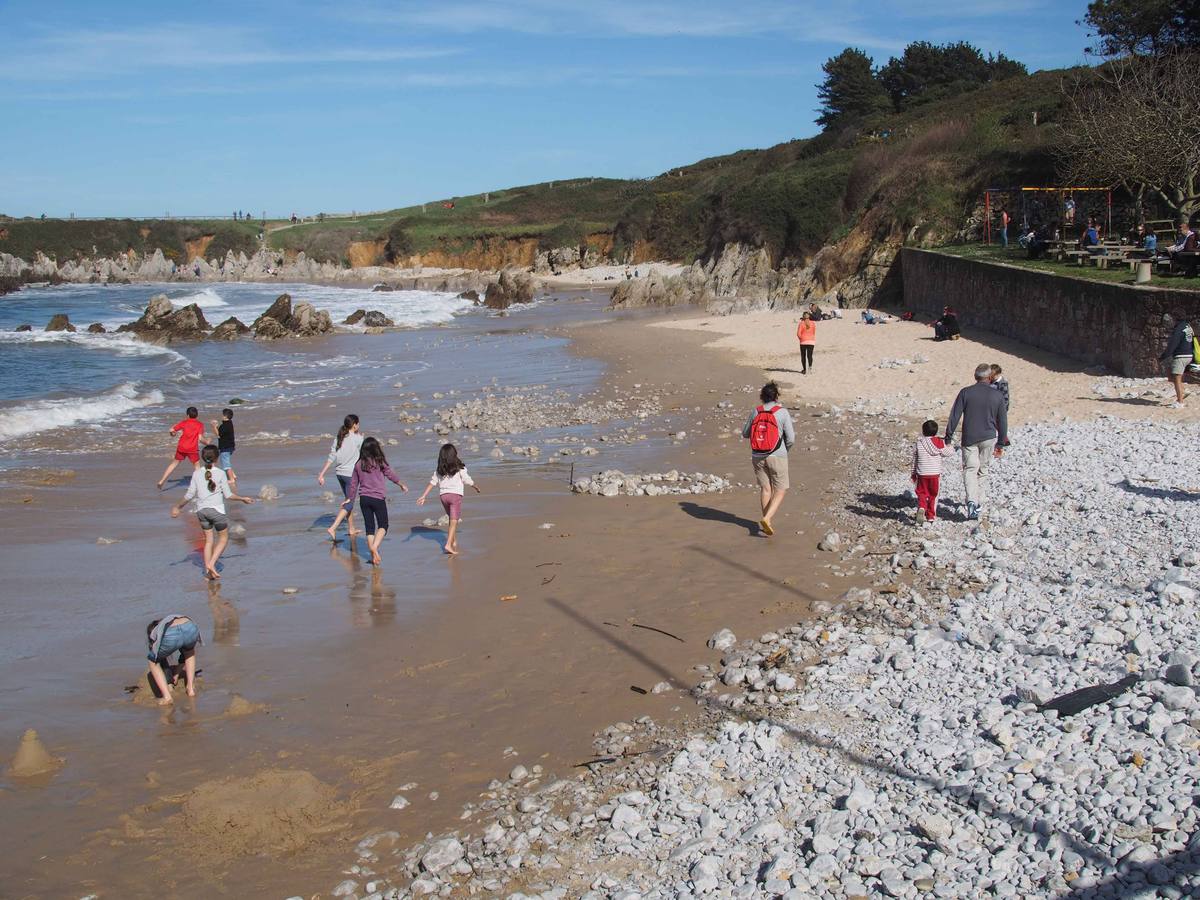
[
  {"x": 771, "y": 465},
  {"x": 984, "y": 423}
]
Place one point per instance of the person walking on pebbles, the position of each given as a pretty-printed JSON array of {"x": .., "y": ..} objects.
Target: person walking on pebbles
[
  {"x": 806, "y": 333},
  {"x": 342, "y": 456},
  {"x": 369, "y": 484},
  {"x": 984, "y": 434},
  {"x": 927, "y": 469},
  {"x": 771, "y": 433},
  {"x": 451, "y": 479},
  {"x": 1180, "y": 352},
  {"x": 166, "y": 637}
]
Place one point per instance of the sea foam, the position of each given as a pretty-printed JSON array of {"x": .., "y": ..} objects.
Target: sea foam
[{"x": 45, "y": 415}]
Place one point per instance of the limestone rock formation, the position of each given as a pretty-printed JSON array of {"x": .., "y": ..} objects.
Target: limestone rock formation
[
  {"x": 511, "y": 287},
  {"x": 472, "y": 295},
  {"x": 161, "y": 321},
  {"x": 96, "y": 328},
  {"x": 229, "y": 330},
  {"x": 282, "y": 320},
  {"x": 59, "y": 322}
]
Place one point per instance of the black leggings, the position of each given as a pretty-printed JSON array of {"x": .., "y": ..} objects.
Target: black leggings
[
  {"x": 374, "y": 512},
  {"x": 806, "y": 352}
]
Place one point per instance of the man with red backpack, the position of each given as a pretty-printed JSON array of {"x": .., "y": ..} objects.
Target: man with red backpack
[{"x": 771, "y": 434}]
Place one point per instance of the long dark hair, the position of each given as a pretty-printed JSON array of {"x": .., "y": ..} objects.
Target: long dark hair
[
  {"x": 370, "y": 456},
  {"x": 348, "y": 424},
  {"x": 209, "y": 454},
  {"x": 448, "y": 462}
]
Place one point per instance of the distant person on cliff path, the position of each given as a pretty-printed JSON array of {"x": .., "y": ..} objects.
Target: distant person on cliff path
[
  {"x": 190, "y": 431},
  {"x": 343, "y": 455},
  {"x": 771, "y": 434},
  {"x": 984, "y": 434},
  {"x": 451, "y": 479},
  {"x": 369, "y": 484},
  {"x": 806, "y": 333},
  {"x": 1179, "y": 354}
]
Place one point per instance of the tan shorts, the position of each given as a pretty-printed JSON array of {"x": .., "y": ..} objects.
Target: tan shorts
[
  {"x": 1179, "y": 364},
  {"x": 772, "y": 471}
]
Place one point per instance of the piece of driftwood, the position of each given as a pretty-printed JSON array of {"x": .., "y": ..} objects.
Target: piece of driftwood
[
  {"x": 660, "y": 631},
  {"x": 1085, "y": 698}
]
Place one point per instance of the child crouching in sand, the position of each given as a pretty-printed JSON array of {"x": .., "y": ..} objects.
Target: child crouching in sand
[
  {"x": 451, "y": 479},
  {"x": 927, "y": 469},
  {"x": 167, "y": 636}
]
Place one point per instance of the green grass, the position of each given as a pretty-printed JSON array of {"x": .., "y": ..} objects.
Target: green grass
[
  {"x": 1015, "y": 256},
  {"x": 66, "y": 239}
]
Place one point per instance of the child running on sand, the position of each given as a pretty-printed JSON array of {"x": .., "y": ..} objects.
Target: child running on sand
[
  {"x": 927, "y": 469},
  {"x": 167, "y": 636},
  {"x": 190, "y": 430},
  {"x": 343, "y": 455},
  {"x": 226, "y": 444},
  {"x": 209, "y": 487},
  {"x": 368, "y": 481},
  {"x": 450, "y": 479}
]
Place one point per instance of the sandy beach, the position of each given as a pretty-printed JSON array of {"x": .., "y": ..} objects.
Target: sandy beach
[{"x": 322, "y": 708}]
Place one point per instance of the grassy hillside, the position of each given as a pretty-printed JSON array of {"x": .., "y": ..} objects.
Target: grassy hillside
[
  {"x": 923, "y": 169},
  {"x": 66, "y": 239}
]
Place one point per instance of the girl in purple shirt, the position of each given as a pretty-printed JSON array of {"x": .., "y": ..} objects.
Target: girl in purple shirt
[{"x": 369, "y": 485}]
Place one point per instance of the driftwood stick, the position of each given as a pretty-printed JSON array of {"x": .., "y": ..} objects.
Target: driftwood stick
[{"x": 660, "y": 631}]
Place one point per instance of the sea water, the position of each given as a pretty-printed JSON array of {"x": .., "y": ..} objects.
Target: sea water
[{"x": 57, "y": 389}]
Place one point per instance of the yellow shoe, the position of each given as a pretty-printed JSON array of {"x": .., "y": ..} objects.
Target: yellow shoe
[{"x": 766, "y": 527}]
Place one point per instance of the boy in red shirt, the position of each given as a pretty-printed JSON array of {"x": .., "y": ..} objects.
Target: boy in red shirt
[
  {"x": 927, "y": 469},
  {"x": 190, "y": 431}
]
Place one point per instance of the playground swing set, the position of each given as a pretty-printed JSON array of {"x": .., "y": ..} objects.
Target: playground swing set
[{"x": 1031, "y": 203}]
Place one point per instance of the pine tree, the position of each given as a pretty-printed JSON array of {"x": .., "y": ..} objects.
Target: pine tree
[{"x": 850, "y": 90}]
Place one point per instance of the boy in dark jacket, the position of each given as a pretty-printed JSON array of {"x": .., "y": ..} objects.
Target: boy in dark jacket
[{"x": 1179, "y": 353}]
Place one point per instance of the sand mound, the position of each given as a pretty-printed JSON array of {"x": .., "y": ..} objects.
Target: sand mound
[
  {"x": 273, "y": 811},
  {"x": 240, "y": 706},
  {"x": 32, "y": 758}
]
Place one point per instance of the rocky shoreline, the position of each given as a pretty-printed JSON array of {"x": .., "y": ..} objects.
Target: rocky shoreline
[{"x": 924, "y": 736}]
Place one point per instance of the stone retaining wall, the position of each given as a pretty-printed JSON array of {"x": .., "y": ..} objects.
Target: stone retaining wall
[{"x": 1123, "y": 328}]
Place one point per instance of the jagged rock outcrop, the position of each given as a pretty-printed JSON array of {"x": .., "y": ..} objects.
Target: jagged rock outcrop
[
  {"x": 283, "y": 320},
  {"x": 229, "y": 330},
  {"x": 97, "y": 328},
  {"x": 559, "y": 259},
  {"x": 511, "y": 287},
  {"x": 24, "y": 327},
  {"x": 162, "y": 322},
  {"x": 472, "y": 295},
  {"x": 59, "y": 322},
  {"x": 382, "y": 288},
  {"x": 370, "y": 319}
]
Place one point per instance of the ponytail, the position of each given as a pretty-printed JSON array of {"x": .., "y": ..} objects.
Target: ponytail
[
  {"x": 347, "y": 426},
  {"x": 209, "y": 455}
]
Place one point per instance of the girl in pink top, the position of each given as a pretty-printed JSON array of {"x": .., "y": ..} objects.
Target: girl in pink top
[
  {"x": 451, "y": 479},
  {"x": 369, "y": 484}
]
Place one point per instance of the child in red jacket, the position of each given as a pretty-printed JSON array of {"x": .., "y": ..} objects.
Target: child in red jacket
[{"x": 927, "y": 468}]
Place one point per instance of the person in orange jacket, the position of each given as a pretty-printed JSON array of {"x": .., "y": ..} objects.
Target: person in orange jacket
[{"x": 806, "y": 333}]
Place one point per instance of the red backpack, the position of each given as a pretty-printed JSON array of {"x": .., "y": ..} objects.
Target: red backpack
[{"x": 764, "y": 431}]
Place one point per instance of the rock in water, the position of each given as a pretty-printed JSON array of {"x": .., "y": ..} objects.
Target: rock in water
[
  {"x": 25, "y": 327},
  {"x": 355, "y": 317},
  {"x": 511, "y": 287},
  {"x": 473, "y": 296},
  {"x": 376, "y": 319},
  {"x": 59, "y": 322},
  {"x": 231, "y": 329},
  {"x": 32, "y": 758},
  {"x": 97, "y": 328}
]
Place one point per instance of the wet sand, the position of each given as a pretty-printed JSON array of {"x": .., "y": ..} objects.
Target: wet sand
[{"x": 372, "y": 680}]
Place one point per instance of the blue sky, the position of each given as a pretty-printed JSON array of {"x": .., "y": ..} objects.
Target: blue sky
[{"x": 133, "y": 108}]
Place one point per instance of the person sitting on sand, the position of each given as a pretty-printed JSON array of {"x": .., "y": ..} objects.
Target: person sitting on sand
[
  {"x": 816, "y": 312},
  {"x": 1179, "y": 353},
  {"x": 369, "y": 484},
  {"x": 166, "y": 637},
  {"x": 209, "y": 488},
  {"x": 450, "y": 478},
  {"x": 771, "y": 435},
  {"x": 190, "y": 430},
  {"x": 343, "y": 455},
  {"x": 946, "y": 328}
]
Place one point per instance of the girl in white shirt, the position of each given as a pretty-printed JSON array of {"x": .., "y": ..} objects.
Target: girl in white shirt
[
  {"x": 210, "y": 489},
  {"x": 451, "y": 479},
  {"x": 343, "y": 455}
]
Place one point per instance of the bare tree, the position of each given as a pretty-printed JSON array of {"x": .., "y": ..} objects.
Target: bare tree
[{"x": 1135, "y": 122}]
